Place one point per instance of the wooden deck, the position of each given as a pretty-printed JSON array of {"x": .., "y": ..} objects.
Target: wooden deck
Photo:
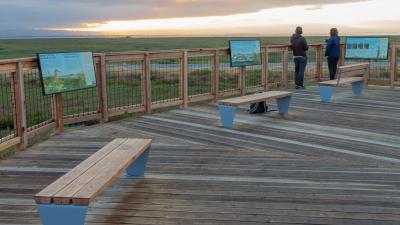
[{"x": 336, "y": 163}]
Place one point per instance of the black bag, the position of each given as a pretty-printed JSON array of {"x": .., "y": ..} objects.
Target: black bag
[{"x": 259, "y": 107}]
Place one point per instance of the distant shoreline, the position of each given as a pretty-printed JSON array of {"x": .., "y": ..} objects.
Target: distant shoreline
[{"x": 22, "y": 37}]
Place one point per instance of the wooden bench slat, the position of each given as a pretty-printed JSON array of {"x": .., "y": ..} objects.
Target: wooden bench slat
[
  {"x": 353, "y": 73},
  {"x": 360, "y": 66},
  {"x": 348, "y": 74},
  {"x": 120, "y": 160},
  {"x": 46, "y": 195},
  {"x": 249, "y": 99},
  {"x": 64, "y": 196},
  {"x": 343, "y": 81},
  {"x": 349, "y": 80},
  {"x": 329, "y": 83}
]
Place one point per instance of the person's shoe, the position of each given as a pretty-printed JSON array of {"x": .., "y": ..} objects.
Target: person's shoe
[
  {"x": 297, "y": 87},
  {"x": 302, "y": 87}
]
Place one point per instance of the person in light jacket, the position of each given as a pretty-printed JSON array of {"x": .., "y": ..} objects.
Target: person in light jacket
[
  {"x": 333, "y": 52},
  {"x": 300, "y": 47}
]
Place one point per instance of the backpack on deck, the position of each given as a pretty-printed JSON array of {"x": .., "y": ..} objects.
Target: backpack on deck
[{"x": 259, "y": 107}]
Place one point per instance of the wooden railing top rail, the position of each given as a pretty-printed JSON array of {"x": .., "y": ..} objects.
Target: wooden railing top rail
[
  {"x": 162, "y": 53},
  {"x": 154, "y": 53}
]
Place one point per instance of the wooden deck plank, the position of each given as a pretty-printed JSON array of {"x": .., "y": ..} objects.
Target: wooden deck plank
[{"x": 268, "y": 170}]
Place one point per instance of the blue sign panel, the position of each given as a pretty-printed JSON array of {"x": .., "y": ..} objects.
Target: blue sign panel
[
  {"x": 245, "y": 53},
  {"x": 367, "y": 48}
]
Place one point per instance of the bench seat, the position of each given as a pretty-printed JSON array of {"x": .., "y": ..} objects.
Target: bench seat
[
  {"x": 249, "y": 99},
  {"x": 69, "y": 196},
  {"x": 354, "y": 75},
  {"x": 227, "y": 107},
  {"x": 343, "y": 81}
]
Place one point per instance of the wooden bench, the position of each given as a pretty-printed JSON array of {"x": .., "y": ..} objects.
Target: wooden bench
[
  {"x": 65, "y": 201},
  {"x": 227, "y": 107},
  {"x": 355, "y": 75}
]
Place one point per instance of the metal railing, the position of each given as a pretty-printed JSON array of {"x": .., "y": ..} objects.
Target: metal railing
[{"x": 144, "y": 81}]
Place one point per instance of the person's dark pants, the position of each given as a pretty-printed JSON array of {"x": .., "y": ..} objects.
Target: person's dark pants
[
  {"x": 300, "y": 63},
  {"x": 332, "y": 65}
]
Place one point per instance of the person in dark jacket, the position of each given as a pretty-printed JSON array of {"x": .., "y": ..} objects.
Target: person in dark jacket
[
  {"x": 300, "y": 47},
  {"x": 333, "y": 52}
]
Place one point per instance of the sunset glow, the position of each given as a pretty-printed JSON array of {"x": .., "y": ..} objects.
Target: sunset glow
[{"x": 372, "y": 14}]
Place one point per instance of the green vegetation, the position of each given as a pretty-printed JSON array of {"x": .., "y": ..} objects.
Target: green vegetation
[
  {"x": 16, "y": 48},
  {"x": 6, "y": 153}
]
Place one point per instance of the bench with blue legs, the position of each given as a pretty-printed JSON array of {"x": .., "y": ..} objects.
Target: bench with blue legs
[
  {"x": 355, "y": 75},
  {"x": 227, "y": 107},
  {"x": 65, "y": 201}
]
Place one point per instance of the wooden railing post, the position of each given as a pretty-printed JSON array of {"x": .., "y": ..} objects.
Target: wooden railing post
[
  {"x": 342, "y": 59},
  {"x": 102, "y": 87},
  {"x": 146, "y": 83},
  {"x": 285, "y": 67},
  {"x": 215, "y": 75},
  {"x": 58, "y": 113},
  {"x": 265, "y": 67},
  {"x": 393, "y": 66},
  {"x": 319, "y": 62},
  {"x": 242, "y": 80},
  {"x": 184, "y": 79},
  {"x": 20, "y": 107}
]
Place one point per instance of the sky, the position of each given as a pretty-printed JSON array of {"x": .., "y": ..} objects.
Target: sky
[{"x": 197, "y": 17}]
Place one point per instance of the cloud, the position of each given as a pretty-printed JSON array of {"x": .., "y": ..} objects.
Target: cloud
[{"x": 35, "y": 14}]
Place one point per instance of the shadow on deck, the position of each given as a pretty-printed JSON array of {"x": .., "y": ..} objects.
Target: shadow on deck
[{"x": 336, "y": 163}]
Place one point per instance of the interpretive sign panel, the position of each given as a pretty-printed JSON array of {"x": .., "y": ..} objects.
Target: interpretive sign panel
[
  {"x": 245, "y": 53},
  {"x": 367, "y": 48},
  {"x": 63, "y": 72}
]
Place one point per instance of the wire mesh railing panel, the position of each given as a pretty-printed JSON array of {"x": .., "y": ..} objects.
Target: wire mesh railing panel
[
  {"x": 275, "y": 68},
  {"x": 311, "y": 69},
  {"x": 325, "y": 68},
  {"x": 82, "y": 102},
  {"x": 380, "y": 70},
  {"x": 165, "y": 80},
  {"x": 398, "y": 65},
  {"x": 7, "y": 107},
  {"x": 254, "y": 76},
  {"x": 38, "y": 106},
  {"x": 124, "y": 84},
  {"x": 228, "y": 76},
  {"x": 291, "y": 67},
  {"x": 200, "y": 75}
]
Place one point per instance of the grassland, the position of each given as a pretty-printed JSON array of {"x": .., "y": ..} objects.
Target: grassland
[{"x": 16, "y": 48}]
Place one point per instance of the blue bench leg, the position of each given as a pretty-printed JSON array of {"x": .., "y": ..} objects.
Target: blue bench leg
[
  {"x": 227, "y": 115},
  {"x": 326, "y": 93},
  {"x": 62, "y": 214},
  {"x": 283, "y": 104},
  {"x": 357, "y": 87},
  {"x": 138, "y": 167}
]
